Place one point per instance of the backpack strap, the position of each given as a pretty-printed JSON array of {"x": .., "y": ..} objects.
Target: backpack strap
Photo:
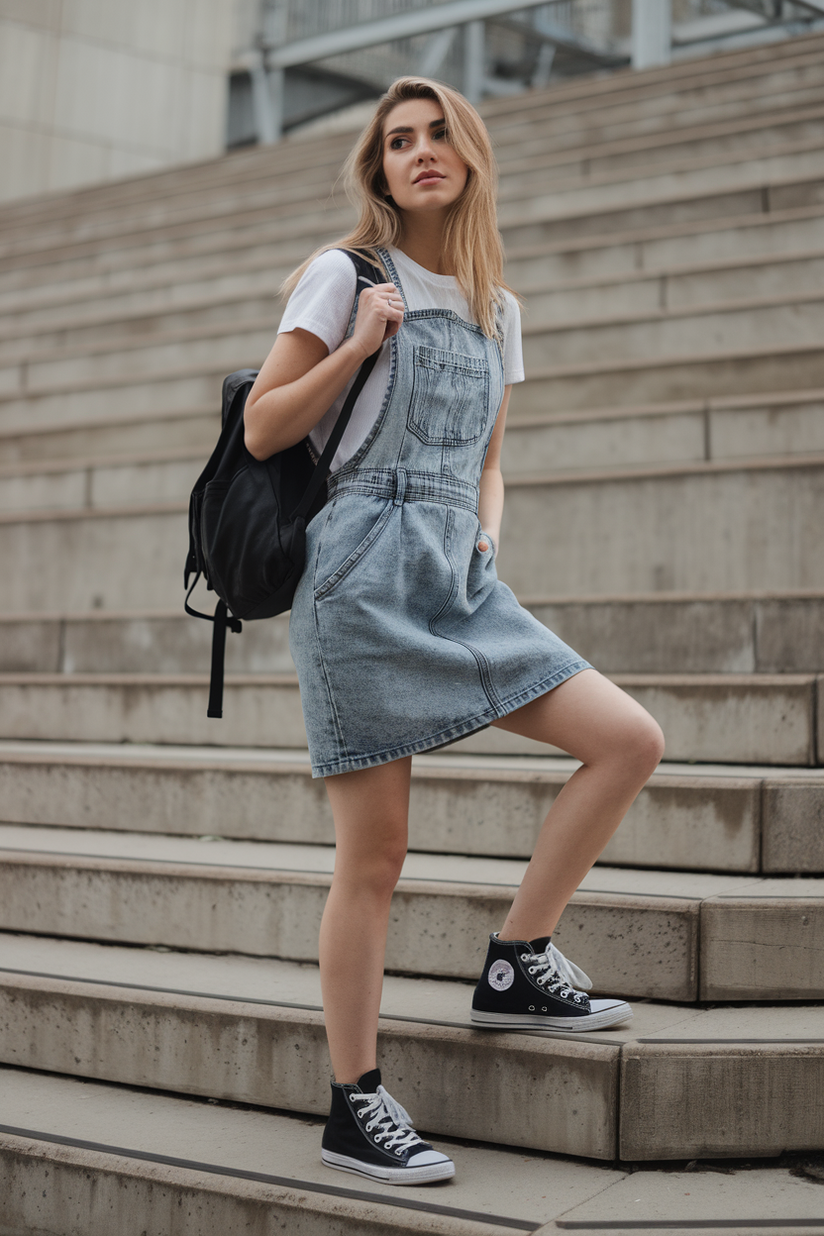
[{"x": 368, "y": 274}]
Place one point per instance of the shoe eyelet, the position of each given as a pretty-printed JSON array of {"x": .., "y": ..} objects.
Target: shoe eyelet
[
  {"x": 524, "y": 956},
  {"x": 532, "y": 1008},
  {"x": 532, "y": 969},
  {"x": 398, "y": 1151}
]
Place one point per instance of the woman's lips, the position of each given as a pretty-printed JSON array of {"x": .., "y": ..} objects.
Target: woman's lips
[{"x": 428, "y": 178}]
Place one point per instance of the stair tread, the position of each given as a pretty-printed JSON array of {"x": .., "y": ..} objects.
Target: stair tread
[
  {"x": 285, "y": 1151},
  {"x": 147, "y": 849},
  {"x": 530, "y": 767},
  {"x": 418, "y": 1001}
]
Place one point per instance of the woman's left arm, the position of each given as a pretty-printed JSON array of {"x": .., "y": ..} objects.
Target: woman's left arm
[{"x": 491, "y": 500}]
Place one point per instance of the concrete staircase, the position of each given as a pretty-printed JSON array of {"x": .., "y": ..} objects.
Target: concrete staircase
[{"x": 162, "y": 875}]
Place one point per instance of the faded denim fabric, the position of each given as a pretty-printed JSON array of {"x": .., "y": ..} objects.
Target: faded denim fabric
[{"x": 403, "y": 637}]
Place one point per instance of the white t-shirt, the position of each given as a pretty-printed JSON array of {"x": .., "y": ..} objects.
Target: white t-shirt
[{"x": 322, "y": 304}]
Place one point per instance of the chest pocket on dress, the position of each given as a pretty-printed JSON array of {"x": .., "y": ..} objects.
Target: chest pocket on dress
[{"x": 450, "y": 394}]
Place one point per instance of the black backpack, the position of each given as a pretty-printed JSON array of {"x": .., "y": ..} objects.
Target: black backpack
[{"x": 248, "y": 517}]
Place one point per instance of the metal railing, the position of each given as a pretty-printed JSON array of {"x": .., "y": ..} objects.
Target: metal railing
[{"x": 331, "y": 52}]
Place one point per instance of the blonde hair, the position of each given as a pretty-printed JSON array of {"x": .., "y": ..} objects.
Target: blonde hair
[{"x": 471, "y": 235}]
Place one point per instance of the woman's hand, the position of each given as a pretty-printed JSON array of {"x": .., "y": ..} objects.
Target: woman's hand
[{"x": 379, "y": 317}]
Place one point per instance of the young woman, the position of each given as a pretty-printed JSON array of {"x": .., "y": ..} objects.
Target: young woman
[{"x": 403, "y": 637}]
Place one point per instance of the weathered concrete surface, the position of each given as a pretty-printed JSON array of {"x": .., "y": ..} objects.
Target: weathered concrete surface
[
  {"x": 632, "y": 943},
  {"x": 488, "y": 1181},
  {"x": 656, "y": 633},
  {"x": 793, "y": 827},
  {"x": 265, "y": 709},
  {"x": 61, "y": 1190},
  {"x": 730, "y": 718},
  {"x": 681, "y": 432},
  {"x": 742, "y": 953},
  {"x": 712, "y": 1099},
  {"x": 197, "y": 430},
  {"x": 550, "y": 1094},
  {"x": 659, "y": 531},
  {"x": 470, "y": 807},
  {"x": 663, "y": 379}
]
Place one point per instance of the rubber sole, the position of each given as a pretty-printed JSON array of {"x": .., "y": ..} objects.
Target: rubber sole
[
  {"x": 389, "y": 1175},
  {"x": 616, "y": 1015}
]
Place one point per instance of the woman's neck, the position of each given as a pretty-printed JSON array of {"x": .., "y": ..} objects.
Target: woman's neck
[{"x": 422, "y": 241}]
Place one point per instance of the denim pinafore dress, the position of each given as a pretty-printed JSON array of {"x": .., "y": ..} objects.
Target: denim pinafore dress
[{"x": 403, "y": 636}]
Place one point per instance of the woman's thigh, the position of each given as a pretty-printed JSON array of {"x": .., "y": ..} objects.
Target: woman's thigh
[
  {"x": 589, "y": 717},
  {"x": 371, "y": 810}
]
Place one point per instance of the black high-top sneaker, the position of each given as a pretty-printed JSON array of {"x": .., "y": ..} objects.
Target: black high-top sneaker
[
  {"x": 369, "y": 1133},
  {"x": 532, "y": 986}
]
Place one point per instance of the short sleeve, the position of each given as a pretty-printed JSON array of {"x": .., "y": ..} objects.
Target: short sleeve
[
  {"x": 513, "y": 352},
  {"x": 322, "y": 301}
]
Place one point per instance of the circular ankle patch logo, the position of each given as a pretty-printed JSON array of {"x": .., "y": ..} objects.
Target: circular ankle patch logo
[{"x": 501, "y": 975}]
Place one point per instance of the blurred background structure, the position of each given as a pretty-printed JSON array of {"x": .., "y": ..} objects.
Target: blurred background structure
[
  {"x": 93, "y": 90},
  {"x": 163, "y": 1066}
]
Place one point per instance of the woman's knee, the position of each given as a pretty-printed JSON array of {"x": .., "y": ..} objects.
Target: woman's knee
[
  {"x": 643, "y": 743},
  {"x": 372, "y": 870}
]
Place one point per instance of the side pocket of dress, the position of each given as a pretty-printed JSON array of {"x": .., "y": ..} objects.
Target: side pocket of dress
[{"x": 357, "y": 555}]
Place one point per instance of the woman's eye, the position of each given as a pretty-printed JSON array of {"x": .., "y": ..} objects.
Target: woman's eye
[
  {"x": 440, "y": 135},
  {"x": 396, "y": 143}
]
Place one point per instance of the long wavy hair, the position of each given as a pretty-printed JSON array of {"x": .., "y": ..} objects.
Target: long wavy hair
[{"x": 471, "y": 236}]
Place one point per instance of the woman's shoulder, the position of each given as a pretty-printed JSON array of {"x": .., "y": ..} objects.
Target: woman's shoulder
[{"x": 333, "y": 266}]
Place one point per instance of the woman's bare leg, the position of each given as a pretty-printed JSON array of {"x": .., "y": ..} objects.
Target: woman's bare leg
[
  {"x": 370, "y": 809},
  {"x": 619, "y": 745}
]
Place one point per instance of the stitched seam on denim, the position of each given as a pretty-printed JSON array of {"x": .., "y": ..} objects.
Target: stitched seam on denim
[
  {"x": 462, "y": 730},
  {"x": 333, "y": 712},
  {"x": 420, "y": 487}
]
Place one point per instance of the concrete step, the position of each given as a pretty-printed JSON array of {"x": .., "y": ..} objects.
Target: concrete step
[
  {"x": 658, "y": 529},
  {"x": 147, "y": 328},
  {"x": 96, "y": 1157},
  {"x": 759, "y": 89},
  {"x": 651, "y": 194},
  {"x": 754, "y": 428},
  {"x": 711, "y": 328},
  {"x": 652, "y": 379},
  {"x": 235, "y": 1028},
  {"x": 720, "y": 818},
  {"x": 783, "y": 123},
  {"x": 714, "y": 158},
  {"x": 741, "y": 427},
  {"x": 158, "y": 477},
  {"x": 746, "y": 238},
  {"x": 80, "y": 384},
  {"x": 591, "y": 120},
  {"x": 672, "y": 290},
  {"x": 627, "y": 532},
  {"x": 783, "y": 320},
  {"x": 657, "y": 93},
  {"x": 769, "y": 633},
  {"x": 194, "y": 429},
  {"x": 685, "y": 245},
  {"x": 171, "y": 261},
  {"x": 665, "y": 198},
  {"x": 69, "y": 328},
  {"x": 693, "y": 936},
  {"x": 132, "y": 1161},
  {"x": 727, "y": 718}
]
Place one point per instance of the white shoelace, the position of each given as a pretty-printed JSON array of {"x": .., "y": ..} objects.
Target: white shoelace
[
  {"x": 393, "y": 1121},
  {"x": 558, "y": 971}
]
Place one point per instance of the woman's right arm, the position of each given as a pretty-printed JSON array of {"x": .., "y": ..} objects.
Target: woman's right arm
[{"x": 300, "y": 380}]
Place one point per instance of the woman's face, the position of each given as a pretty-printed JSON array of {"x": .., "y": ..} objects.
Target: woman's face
[{"x": 422, "y": 170}]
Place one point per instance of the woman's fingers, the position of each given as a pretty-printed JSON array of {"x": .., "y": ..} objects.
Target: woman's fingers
[{"x": 380, "y": 314}]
